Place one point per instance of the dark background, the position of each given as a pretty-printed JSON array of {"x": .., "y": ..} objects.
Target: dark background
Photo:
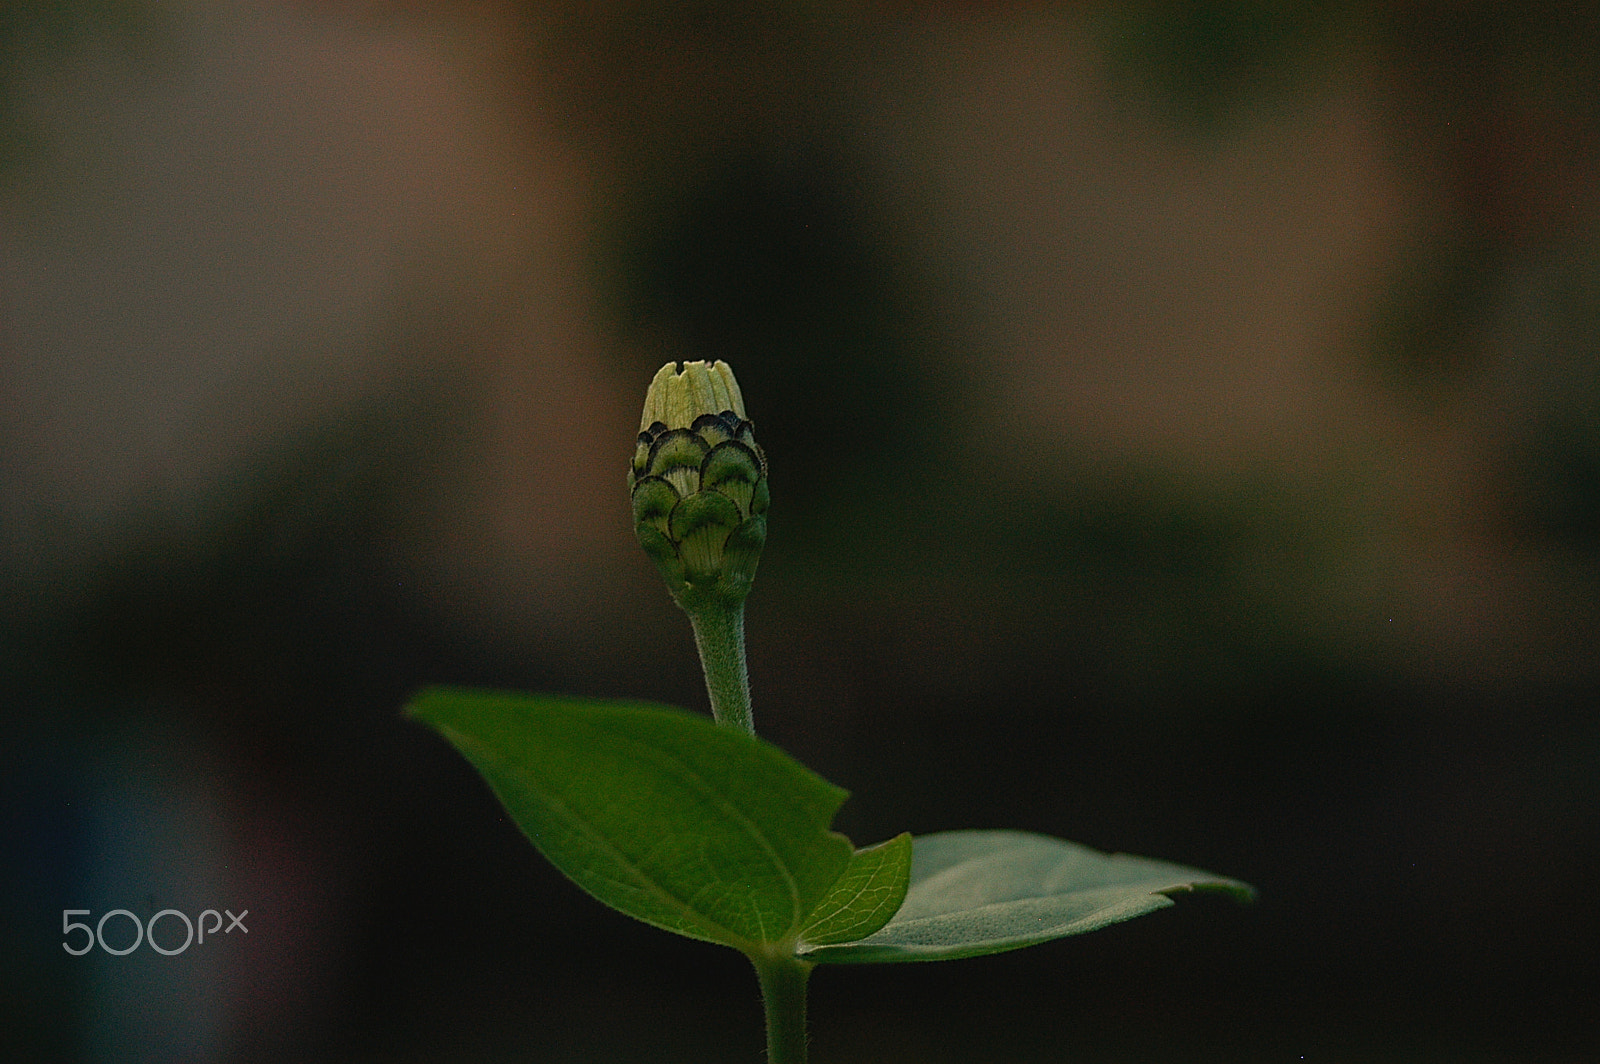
[{"x": 1184, "y": 423}]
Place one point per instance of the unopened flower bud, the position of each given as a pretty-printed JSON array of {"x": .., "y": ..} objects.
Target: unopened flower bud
[{"x": 699, "y": 484}]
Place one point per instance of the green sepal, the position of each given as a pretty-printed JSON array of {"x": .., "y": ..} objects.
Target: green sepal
[
  {"x": 701, "y": 510},
  {"x": 742, "y": 552},
  {"x": 664, "y": 554},
  {"x": 678, "y": 448},
  {"x": 732, "y": 468},
  {"x": 653, "y": 500}
]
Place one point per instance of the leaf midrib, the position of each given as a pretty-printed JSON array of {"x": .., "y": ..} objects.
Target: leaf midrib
[{"x": 718, "y": 932}]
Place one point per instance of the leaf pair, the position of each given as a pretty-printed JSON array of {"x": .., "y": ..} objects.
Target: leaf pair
[{"x": 705, "y": 831}]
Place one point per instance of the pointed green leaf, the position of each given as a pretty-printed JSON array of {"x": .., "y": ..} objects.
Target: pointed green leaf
[
  {"x": 665, "y": 815},
  {"x": 978, "y": 892},
  {"x": 864, "y": 898}
]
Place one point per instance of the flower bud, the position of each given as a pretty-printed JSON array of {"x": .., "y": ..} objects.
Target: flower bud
[{"x": 699, "y": 484}]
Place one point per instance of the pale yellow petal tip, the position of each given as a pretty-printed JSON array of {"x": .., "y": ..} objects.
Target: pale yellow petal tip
[
  {"x": 679, "y": 395},
  {"x": 735, "y": 398}
]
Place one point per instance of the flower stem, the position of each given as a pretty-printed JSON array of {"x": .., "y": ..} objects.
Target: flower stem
[
  {"x": 719, "y": 635},
  {"x": 783, "y": 992}
]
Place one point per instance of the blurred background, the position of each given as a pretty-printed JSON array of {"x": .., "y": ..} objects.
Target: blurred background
[{"x": 1184, "y": 422}]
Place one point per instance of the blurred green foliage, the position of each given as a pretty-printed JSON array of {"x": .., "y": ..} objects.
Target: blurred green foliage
[
  {"x": 37, "y": 34},
  {"x": 1204, "y": 65}
]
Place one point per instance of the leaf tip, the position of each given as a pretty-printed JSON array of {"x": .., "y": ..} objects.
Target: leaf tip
[
  {"x": 430, "y": 705},
  {"x": 417, "y": 706},
  {"x": 1241, "y": 892}
]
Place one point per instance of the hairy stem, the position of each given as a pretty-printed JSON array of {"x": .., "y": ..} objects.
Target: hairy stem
[
  {"x": 783, "y": 992},
  {"x": 719, "y": 635}
]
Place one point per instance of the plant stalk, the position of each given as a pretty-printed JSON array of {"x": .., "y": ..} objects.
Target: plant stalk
[
  {"x": 783, "y": 992},
  {"x": 719, "y": 636}
]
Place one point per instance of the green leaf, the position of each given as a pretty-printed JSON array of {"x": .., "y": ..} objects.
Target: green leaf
[
  {"x": 978, "y": 892},
  {"x": 696, "y": 828},
  {"x": 864, "y": 898}
]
